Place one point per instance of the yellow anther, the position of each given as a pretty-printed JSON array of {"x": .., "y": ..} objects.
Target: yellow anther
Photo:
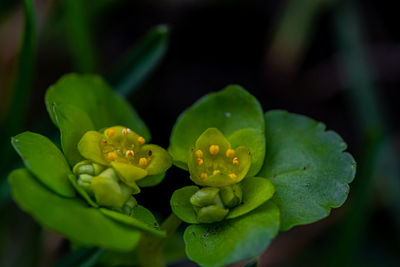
[
  {"x": 233, "y": 176},
  {"x": 110, "y": 132},
  {"x": 198, "y": 153},
  {"x": 112, "y": 156},
  {"x": 214, "y": 149},
  {"x": 216, "y": 172},
  {"x": 141, "y": 140},
  {"x": 142, "y": 162},
  {"x": 203, "y": 176},
  {"x": 235, "y": 161},
  {"x": 230, "y": 153},
  {"x": 129, "y": 153},
  {"x": 200, "y": 161},
  {"x": 104, "y": 141},
  {"x": 126, "y": 131}
]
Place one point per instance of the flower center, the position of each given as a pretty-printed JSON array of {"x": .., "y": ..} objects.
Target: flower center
[{"x": 124, "y": 145}]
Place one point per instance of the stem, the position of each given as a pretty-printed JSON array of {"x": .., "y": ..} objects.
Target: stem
[{"x": 151, "y": 248}]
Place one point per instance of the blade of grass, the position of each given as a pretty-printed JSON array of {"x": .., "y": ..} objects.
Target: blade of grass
[
  {"x": 79, "y": 36},
  {"x": 140, "y": 61},
  {"x": 83, "y": 257},
  {"x": 350, "y": 238},
  {"x": 16, "y": 115}
]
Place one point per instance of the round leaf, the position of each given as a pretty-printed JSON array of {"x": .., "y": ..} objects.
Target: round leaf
[
  {"x": 93, "y": 96},
  {"x": 230, "y": 241},
  {"x": 181, "y": 206},
  {"x": 70, "y": 217},
  {"x": 45, "y": 160},
  {"x": 229, "y": 110},
  {"x": 74, "y": 124},
  {"x": 256, "y": 191},
  {"x": 307, "y": 166}
]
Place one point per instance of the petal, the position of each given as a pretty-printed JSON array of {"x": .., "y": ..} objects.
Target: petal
[
  {"x": 129, "y": 174},
  {"x": 89, "y": 147},
  {"x": 160, "y": 159}
]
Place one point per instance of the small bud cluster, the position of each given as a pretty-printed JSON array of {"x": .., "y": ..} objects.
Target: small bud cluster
[{"x": 212, "y": 204}]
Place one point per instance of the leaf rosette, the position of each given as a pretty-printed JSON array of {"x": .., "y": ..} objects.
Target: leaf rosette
[
  {"x": 220, "y": 140},
  {"x": 287, "y": 171},
  {"x": 100, "y": 166}
]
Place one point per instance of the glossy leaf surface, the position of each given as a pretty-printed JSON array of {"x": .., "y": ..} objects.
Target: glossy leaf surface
[
  {"x": 230, "y": 241},
  {"x": 72, "y": 218},
  {"x": 45, "y": 160},
  {"x": 307, "y": 166}
]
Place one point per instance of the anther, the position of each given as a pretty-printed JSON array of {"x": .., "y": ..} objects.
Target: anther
[
  {"x": 198, "y": 153},
  {"x": 235, "y": 161},
  {"x": 233, "y": 176},
  {"x": 112, "y": 156},
  {"x": 200, "y": 161},
  {"x": 203, "y": 176},
  {"x": 126, "y": 131},
  {"x": 141, "y": 140},
  {"x": 104, "y": 141},
  {"x": 129, "y": 153},
  {"x": 216, "y": 172},
  {"x": 214, "y": 149},
  {"x": 110, "y": 132},
  {"x": 230, "y": 153},
  {"x": 142, "y": 162}
]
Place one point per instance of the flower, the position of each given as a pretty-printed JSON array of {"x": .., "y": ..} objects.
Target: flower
[
  {"x": 213, "y": 162},
  {"x": 115, "y": 161}
]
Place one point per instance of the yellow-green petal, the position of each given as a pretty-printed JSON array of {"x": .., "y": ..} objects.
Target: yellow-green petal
[
  {"x": 160, "y": 160},
  {"x": 89, "y": 147}
]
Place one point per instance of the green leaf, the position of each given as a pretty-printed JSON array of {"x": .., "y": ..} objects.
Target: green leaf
[
  {"x": 234, "y": 240},
  {"x": 256, "y": 191},
  {"x": 75, "y": 123},
  {"x": 307, "y": 166},
  {"x": 93, "y": 96},
  {"x": 229, "y": 110},
  {"x": 82, "y": 257},
  {"x": 181, "y": 206},
  {"x": 140, "y": 61},
  {"x": 72, "y": 218},
  {"x": 151, "y": 180},
  {"x": 45, "y": 160},
  {"x": 133, "y": 222}
]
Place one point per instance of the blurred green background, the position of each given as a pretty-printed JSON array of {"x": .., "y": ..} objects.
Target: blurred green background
[{"x": 337, "y": 61}]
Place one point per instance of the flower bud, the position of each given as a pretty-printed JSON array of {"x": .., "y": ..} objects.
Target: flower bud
[
  {"x": 231, "y": 195},
  {"x": 208, "y": 205}
]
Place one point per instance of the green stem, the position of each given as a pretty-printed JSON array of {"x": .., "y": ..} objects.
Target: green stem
[{"x": 151, "y": 248}]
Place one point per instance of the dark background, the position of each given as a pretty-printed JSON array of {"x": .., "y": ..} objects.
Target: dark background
[{"x": 335, "y": 61}]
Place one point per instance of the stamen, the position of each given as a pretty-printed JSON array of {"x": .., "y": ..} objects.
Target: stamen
[
  {"x": 235, "y": 161},
  {"x": 104, "y": 141},
  {"x": 230, "y": 153},
  {"x": 141, "y": 140},
  {"x": 203, "y": 176},
  {"x": 129, "y": 153},
  {"x": 216, "y": 172},
  {"x": 126, "y": 131},
  {"x": 233, "y": 176},
  {"x": 214, "y": 149},
  {"x": 110, "y": 132},
  {"x": 198, "y": 153},
  {"x": 112, "y": 156},
  {"x": 200, "y": 161},
  {"x": 142, "y": 162}
]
